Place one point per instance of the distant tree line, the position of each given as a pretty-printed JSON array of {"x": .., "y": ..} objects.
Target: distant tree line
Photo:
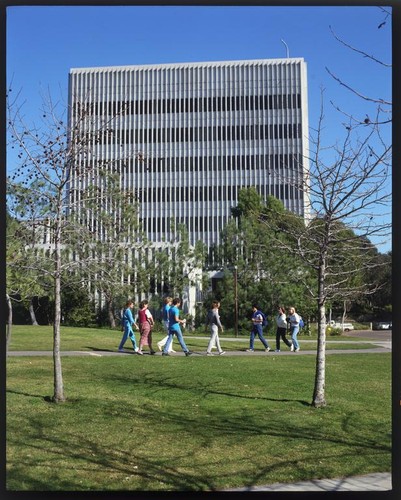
[{"x": 249, "y": 253}]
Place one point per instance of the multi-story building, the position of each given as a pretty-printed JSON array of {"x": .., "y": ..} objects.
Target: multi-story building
[{"x": 186, "y": 137}]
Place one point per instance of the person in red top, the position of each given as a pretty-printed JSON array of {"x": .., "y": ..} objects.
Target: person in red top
[{"x": 145, "y": 321}]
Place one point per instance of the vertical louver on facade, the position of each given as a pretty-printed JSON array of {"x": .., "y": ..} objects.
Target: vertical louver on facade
[{"x": 186, "y": 137}]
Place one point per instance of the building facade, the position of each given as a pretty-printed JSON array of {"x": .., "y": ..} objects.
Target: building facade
[{"x": 186, "y": 137}]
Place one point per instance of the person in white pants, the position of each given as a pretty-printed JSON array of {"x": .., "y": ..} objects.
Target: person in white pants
[
  {"x": 213, "y": 321},
  {"x": 166, "y": 307}
]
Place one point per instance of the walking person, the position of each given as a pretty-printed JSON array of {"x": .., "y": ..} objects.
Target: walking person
[
  {"x": 145, "y": 320},
  {"x": 174, "y": 328},
  {"x": 294, "y": 320},
  {"x": 128, "y": 320},
  {"x": 281, "y": 321},
  {"x": 213, "y": 321},
  {"x": 258, "y": 320},
  {"x": 165, "y": 310}
]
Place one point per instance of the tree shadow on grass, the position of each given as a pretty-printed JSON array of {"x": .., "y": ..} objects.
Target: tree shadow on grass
[
  {"x": 20, "y": 393},
  {"x": 99, "y": 349},
  {"x": 69, "y": 457},
  {"x": 47, "y": 399},
  {"x": 95, "y": 458},
  {"x": 203, "y": 390}
]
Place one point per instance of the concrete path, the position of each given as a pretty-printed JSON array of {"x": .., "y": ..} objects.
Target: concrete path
[
  {"x": 127, "y": 352},
  {"x": 379, "y": 481},
  {"x": 381, "y": 346},
  {"x": 380, "y": 339}
]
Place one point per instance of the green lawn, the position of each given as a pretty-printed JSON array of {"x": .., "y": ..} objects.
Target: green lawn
[{"x": 193, "y": 424}]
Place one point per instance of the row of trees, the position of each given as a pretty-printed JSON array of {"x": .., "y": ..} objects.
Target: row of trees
[
  {"x": 93, "y": 295},
  {"x": 251, "y": 255},
  {"x": 262, "y": 255}
]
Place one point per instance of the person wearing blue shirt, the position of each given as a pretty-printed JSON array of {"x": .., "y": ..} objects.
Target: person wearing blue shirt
[
  {"x": 257, "y": 329},
  {"x": 174, "y": 328},
  {"x": 128, "y": 321},
  {"x": 165, "y": 310}
]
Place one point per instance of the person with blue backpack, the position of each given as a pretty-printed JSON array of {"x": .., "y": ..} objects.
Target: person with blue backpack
[
  {"x": 259, "y": 320},
  {"x": 294, "y": 320}
]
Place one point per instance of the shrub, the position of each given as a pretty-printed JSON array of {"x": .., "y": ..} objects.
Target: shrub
[
  {"x": 77, "y": 308},
  {"x": 332, "y": 332}
]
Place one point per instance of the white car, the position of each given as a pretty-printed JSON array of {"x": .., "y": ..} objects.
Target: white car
[
  {"x": 345, "y": 327},
  {"x": 383, "y": 325}
]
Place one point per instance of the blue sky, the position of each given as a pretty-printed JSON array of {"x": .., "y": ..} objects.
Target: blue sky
[{"x": 44, "y": 42}]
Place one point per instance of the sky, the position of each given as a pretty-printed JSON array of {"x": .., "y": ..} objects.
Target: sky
[{"x": 44, "y": 42}]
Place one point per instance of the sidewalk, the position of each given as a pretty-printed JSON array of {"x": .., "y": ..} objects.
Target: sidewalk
[
  {"x": 380, "y": 340},
  {"x": 258, "y": 352},
  {"x": 379, "y": 481}
]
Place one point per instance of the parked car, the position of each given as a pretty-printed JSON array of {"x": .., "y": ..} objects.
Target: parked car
[
  {"x": 345, "y": 327},
  {"x": 383, "y": 325}
]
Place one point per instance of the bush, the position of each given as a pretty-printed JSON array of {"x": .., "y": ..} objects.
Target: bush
[
  {"x": 305, "y": 331},
  {"x": 77, "y": 308},
  {"x": 332, "y": 332}
]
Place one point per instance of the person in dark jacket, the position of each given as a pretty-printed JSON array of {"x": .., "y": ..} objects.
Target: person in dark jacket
[
  {"x": 257, "y": 329},
  {"x": 281, "y": 321}
]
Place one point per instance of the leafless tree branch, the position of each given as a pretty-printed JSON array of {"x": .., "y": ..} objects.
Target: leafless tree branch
[{"x": 359, "y": 51}]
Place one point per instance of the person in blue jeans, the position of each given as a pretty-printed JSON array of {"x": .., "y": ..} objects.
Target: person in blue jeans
[
  {"x": 165, "y": 310},
  {"x": 174, "y": 328},
  {"x": 257, "y": 329},
  {"x": 294, "y": 320},
  {"x": 128, "y": 320}
]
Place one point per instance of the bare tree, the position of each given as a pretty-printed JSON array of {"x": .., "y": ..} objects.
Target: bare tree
[
  {"x": 347, "y": 184},
  {"x": 382, "y": 106},
  {"x": 40, "y": 194},
  {"x": 345, "y": 193}
]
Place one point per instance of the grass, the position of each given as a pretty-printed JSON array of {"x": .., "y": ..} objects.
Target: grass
[
  {"x": 193, "y": 424},
  {"x": 40, "y": 338}
]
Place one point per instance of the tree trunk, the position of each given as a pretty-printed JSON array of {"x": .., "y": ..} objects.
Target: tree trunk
[
  {"x": 58, "y": 396},
  {"x": 344, "y": 315},
  {"x": 32, "y": 313},
  {"x": 9, "y": 322},
  {"x": 319, "y": 398},
  {"x": 110, "y": 313}
]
